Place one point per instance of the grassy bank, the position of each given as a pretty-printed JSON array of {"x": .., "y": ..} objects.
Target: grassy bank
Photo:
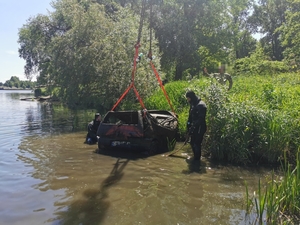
[{"x": 256, "y": 121}]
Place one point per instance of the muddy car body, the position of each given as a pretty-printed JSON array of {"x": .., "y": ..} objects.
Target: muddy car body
[{"x": 151, "y": 130}]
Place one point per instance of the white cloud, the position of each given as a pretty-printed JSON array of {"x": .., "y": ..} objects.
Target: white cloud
[{"x": 10, "y": 52}]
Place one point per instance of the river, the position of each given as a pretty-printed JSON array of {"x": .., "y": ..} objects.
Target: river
[{"x": 49, "y": 176}]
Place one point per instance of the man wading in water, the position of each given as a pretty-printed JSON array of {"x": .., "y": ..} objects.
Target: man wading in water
[
  {"x": 196, "y": 123},
  {"x": 91, "y": 137}
]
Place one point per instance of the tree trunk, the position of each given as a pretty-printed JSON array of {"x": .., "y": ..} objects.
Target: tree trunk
[{"x": 178, "y": 73}]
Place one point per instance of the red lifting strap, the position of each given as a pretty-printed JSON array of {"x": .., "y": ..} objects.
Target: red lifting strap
[
  {"x": 134, "y": 88},
  {"x": 162, "y": 86},
  {"x": 132, "y": 82}
]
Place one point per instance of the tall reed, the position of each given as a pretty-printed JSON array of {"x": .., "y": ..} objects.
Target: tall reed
[
  {"x": 280, "y": 202},
  {"x": 260, "y": 202}
]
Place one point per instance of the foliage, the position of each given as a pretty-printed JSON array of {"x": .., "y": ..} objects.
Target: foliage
[
  {"x": 14, "y": 81},
  {"x": 182, "y": 27},
  {"x": 258, "y": 63},
  {"x": 171, "y": 144},
  {"x": 82, "y": 36},
  {"x": 75, "y": 48},
  {"x": 291, "y": 35},
  {"x": 242, "y": 41},
  {"x": 268, "y": 16},
  {"x": 278, "y": 201},
  {"x": 257, "y": 121},
  {"x": 176, "y": 92}
]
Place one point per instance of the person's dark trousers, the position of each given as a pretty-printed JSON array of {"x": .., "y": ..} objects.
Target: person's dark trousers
[
  {"x": 91, "y": 136},
  {"x": 196, "y": 142}
]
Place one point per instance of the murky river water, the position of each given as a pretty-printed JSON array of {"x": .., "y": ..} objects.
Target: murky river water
[{"x": 49, "y": 176}]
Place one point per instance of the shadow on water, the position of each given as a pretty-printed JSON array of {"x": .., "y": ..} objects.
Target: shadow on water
[
  {"x": 94, "y": 205},
  {"x": 123, "y": 153},
  {"x": 195, "y": 167}
]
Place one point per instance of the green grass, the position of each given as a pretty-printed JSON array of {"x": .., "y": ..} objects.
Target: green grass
[
  {"x": 171, "y": 144},
  {"x": 278, "y": 201},
  {"x": 256, "y": 121}
]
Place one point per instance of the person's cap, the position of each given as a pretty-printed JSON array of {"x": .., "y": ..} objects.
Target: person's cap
[
  {"x": 190, "y": 94},
  {"x": 97, "y": 114}
]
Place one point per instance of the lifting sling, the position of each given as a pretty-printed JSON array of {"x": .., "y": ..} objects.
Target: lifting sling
[
  {"x": 137, "y": 45},
  {"x": 132, "y": 82}
]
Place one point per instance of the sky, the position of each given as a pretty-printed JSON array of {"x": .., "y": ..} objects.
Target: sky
[{"x": 13, "y": 15}]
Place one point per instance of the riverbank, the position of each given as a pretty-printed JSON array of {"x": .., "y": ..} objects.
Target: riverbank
[{"x": 13, "y": 88}]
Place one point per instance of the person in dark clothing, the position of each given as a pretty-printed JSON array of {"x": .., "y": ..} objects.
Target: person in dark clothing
[
  {"x": 196, "y": 123},
  {"x": 91, "y": 137}
]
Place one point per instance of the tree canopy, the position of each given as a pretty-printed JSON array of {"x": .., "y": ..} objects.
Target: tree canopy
[
  {"x": 86, "y": 47},
  {"x": 85, "y": 50},
  {"x": 14, "y": 81}
]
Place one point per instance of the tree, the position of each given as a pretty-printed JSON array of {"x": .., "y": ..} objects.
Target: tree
[
  {"x": 34, "y": 40},
  {"x": 268, "y": 16},
  {"x": 239, "y": 30},
  {"x": 291, "y": 34},
  {"x": 8, "y": 83},
  {"x": 186, "y": 29},
  {"x": 180, "y": 29},
  {"x": 86, "y": 52},
  {"x": 15, "y": 81}
]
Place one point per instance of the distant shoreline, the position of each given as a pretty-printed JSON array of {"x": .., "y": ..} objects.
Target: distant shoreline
[{"x": 13, "y": 89}]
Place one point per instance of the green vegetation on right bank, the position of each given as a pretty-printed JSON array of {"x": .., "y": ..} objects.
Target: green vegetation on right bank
[
  {"x": 278, "y": 201},
  {"x": 256, "y": 121}
]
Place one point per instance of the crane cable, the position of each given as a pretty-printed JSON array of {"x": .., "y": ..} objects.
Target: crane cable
[
  {"x": 152, "y": 65},
  {"x": 137, "y": 45}
]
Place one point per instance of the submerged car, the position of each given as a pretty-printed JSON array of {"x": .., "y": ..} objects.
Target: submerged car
[{"x": 151, "y": 130}]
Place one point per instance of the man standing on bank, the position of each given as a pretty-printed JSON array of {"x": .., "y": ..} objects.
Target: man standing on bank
[{"x": 196, "y": 123}]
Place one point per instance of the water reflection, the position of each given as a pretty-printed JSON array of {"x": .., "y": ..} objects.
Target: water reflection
[{"x": 46, "y": 118}]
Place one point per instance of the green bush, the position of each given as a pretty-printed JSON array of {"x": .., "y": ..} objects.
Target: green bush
[
  {"x": 259, "y": 64},
  {"x": 256, "y": 121},
  {"x": 262, "y": 67}
]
